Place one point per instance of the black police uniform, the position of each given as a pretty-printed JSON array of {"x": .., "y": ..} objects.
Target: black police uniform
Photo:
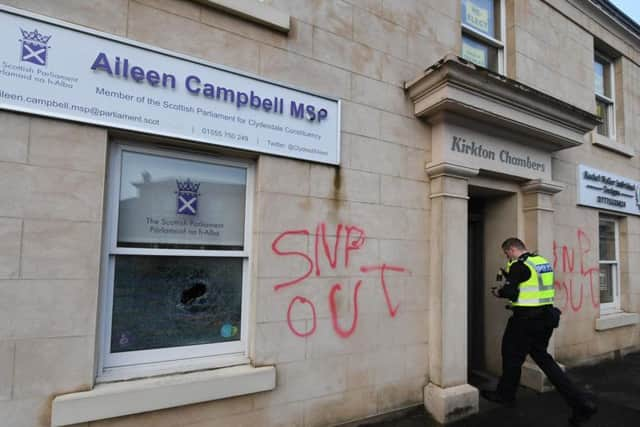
[{"x": 528, "y": 332}]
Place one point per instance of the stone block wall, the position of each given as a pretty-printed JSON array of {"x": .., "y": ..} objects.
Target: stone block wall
[
  {"x": 550, "y": 53},
  {"x": 52, "y": 176}
]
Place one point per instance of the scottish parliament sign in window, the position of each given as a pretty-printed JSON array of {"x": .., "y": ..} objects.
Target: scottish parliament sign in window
[{"x": 175, "y": 261}]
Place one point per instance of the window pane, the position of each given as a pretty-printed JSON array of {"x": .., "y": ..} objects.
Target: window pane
[
  {"x": 602, "y": 111},
  {"x": 607, "y": 241},
  {"x": 161, "y": 302},
  {"x": 479, "y": 53},
  {"x": 603, "y": 78},
  {"x": 480, "y": 15},
  {"x": 606, "y": 283},
  {"x": 176, "y": 203},
  {"x": 598, "y": 68}
]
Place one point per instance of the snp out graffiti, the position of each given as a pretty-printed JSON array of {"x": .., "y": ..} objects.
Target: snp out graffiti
[
  {"x": 348, "y": 239},
  {"x": 575, "y": 271}
]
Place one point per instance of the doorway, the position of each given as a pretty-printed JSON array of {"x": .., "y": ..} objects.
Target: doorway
[{"x": 492, "y": 217}]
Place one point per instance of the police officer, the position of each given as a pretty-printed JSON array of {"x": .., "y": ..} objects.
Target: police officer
[{"x": 529, "y": 286}]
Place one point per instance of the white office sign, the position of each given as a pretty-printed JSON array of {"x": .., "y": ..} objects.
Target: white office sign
[
  {"x": 80, "y": 75},
  {"x": 608, "y": 191}
]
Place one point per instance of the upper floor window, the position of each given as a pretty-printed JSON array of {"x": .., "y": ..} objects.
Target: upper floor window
[
  {"x": 604, "y": 91},
  {"x": 483, "y": 33}
]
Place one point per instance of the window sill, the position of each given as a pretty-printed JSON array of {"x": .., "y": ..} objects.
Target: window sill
[
  {"x": 132, "y": 397},
  {"x": 616, "y": 320},
  {"x": 253, "y": 11},
  {"x": 611, "y": 144}
]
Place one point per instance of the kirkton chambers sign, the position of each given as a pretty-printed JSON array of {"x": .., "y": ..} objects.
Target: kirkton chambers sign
[
  {"x": 460, "y": 145},
  {"x": 84, "y": 76}
]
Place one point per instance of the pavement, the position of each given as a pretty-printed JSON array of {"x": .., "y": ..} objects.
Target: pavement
[{"x": 615, "y": 383}]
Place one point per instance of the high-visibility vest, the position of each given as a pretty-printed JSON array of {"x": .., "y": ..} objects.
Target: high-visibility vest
[{"x": 538, "y": 290}]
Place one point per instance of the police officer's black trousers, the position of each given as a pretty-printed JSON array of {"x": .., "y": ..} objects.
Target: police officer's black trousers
[{"x": 531, "y": 336}]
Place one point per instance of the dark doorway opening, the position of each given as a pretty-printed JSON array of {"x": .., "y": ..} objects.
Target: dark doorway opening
[
  {"x": 475, "y": 292},
  {"x": 492, "y": 217}
]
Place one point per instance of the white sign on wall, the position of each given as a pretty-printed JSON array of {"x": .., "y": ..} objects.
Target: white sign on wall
[
  {"x": 605, "y": 190},
  {"x": 79, "y": 75}
]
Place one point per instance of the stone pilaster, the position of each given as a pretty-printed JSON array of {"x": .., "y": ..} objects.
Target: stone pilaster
[
  {"x": 538, "y": 234},
  {"x": 448, "y": 397},
  {"x": 538, "y": 215}
]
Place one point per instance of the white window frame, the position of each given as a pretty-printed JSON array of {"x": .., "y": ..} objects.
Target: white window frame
[
  {"x": 499, "y": 44},
  {"x": 614, "y": 306},
  {"x": 142, "y": 363},
  {"x": 609, "y": 100}
]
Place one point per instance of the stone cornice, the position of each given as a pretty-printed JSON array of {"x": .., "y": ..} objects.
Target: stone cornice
[
  {"x": 457, "y": 86},
  {"x": 606, "y": 13}
]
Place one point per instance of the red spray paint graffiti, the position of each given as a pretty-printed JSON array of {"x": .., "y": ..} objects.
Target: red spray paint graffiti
[
  {"x": 352, "y": 238},
  {"x": 334, "y": 310},
  {"x": 274, "y": 247},
  {"x": 567, "y": 288},
  {"x": 302, "y": 300},
  {"x": 382, "y": 268}
]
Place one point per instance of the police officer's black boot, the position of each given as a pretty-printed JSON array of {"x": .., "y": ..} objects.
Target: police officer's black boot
[
  {"x": 581, "y": 414},
  {"x": 494, "y": 396}
]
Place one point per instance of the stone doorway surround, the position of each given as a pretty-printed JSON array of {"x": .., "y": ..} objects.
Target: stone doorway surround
[{"x": 481, "y": 123}]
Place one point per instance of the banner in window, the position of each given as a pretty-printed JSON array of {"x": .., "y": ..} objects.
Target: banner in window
[
  {"x": 475, "y": 52},
  {"x": 478, "y": 14}
]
